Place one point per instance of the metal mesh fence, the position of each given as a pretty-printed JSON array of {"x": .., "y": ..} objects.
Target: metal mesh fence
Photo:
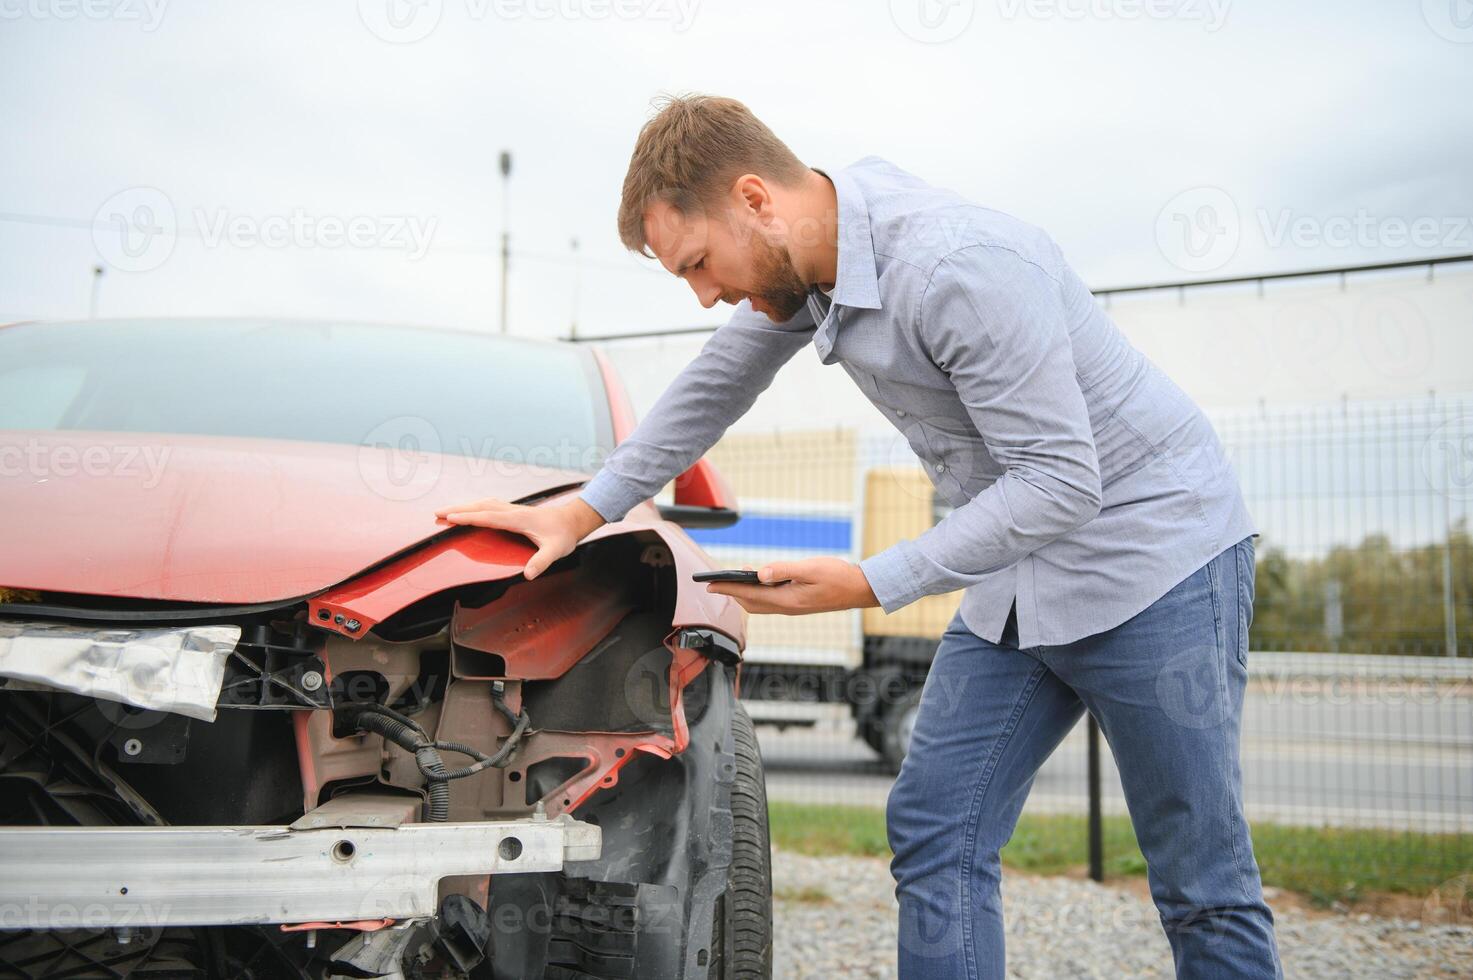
[{"x": 1358, "y": 727}]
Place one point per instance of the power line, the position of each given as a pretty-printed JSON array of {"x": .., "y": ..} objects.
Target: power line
[
  {"x": 1106, "y": 294},
  {"x": 548, "y": 258},
  {"x": 1302, "y": 274},
  {"x": 46, "y": 219},
  {"x": 551, "y": 258}
]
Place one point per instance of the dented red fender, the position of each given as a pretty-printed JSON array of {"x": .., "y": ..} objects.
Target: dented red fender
[{"x": 469, "y": 555}]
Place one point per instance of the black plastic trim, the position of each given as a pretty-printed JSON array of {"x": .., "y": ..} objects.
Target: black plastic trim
[{"x": 701, "y": 517}]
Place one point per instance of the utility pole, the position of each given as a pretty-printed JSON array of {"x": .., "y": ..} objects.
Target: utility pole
[
  {"x": 577, "y": 268},
  {"x": 97, "y": 273},
  {"x": 505, "y": 229}
]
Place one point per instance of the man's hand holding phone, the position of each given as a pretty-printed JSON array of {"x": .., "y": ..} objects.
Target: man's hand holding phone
[{"x": 796, "y": 588}]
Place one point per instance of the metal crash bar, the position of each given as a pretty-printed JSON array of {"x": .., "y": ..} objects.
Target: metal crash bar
[{"x": 81, "y": 877}]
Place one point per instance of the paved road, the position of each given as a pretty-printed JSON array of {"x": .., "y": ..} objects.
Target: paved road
[{"x": 1370, "y": 758}]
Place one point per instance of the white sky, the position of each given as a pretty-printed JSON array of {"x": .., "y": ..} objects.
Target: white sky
[{"x": 1087, "y": 117}]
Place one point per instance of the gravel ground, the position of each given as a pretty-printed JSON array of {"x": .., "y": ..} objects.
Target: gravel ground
[{"x": 835, "y": 917}]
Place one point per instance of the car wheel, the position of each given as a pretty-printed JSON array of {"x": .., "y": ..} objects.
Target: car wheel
[
  {"x": 741, "y": 935},
  {"x": 897, "y": 726},
  {"x": 872, "y": 734}
]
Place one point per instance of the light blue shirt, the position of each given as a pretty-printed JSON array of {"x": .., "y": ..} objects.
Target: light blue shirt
[{"x": 1085, "y": 483}]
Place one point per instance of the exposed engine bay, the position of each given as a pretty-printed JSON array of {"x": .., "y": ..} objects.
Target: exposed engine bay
[{"x": 498, "y": 778}]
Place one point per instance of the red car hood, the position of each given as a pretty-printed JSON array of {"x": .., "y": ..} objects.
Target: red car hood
[{"x": 224, "y": 520}]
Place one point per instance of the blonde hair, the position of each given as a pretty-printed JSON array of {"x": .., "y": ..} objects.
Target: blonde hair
[{"x": 689, "y": 153}]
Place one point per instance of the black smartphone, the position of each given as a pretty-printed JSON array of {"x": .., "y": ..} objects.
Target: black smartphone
[
  {"x": 731, "y": 575},
  {"x": 727, "y": 575}
]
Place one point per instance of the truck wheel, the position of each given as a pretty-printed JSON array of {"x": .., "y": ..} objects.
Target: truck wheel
[
  {"x": 741, "y": 937},
  {"x": 896, "y": 726}
]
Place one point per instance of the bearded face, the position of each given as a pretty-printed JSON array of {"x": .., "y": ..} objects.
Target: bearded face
[
  {"x": 727, "y": 257},
  {"x": 778, "y": 285}
]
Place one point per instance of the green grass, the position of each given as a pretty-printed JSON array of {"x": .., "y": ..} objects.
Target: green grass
[
  {"x": 809, "y": 829},
  {"x": 1325, "y": 864},
  {"x": 810, "y": 895}
]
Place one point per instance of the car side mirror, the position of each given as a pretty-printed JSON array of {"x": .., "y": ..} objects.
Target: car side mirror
[{"x": 703, "y": 499}]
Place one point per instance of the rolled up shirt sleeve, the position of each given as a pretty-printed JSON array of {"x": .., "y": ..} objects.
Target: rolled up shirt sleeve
[
  {"x": 715, "y": 389},
  {"x": 995, "y": 323}
]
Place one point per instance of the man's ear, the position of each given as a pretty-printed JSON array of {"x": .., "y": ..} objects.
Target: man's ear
[{"x": 751, "y": 192}]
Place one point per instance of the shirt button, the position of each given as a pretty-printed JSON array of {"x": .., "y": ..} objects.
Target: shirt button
[
  {"x": 940, "y": 467},
  {"x": 900, "y": 412}
]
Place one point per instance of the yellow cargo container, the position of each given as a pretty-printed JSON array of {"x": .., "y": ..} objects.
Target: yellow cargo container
[{"x": 838, "y": 493}]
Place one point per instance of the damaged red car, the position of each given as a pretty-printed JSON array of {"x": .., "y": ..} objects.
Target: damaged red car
[{"x": 262, "y": 716}]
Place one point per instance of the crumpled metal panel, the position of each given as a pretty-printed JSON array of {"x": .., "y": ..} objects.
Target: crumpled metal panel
[
  {"x": 178, "y": 669},
  {"x": 482, "y": 555},
  {"x": 543, "y": 627}
]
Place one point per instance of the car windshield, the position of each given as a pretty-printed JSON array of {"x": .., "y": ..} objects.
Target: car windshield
[{"x": 357, "y": 384}]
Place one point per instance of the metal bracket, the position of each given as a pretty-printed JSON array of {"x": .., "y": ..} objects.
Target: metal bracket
[
  {"x": 279, "y": 681},
  {"x": 714, "y": 644}
]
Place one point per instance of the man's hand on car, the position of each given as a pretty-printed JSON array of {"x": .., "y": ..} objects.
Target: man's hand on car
[
  {"x": 812, "y": 585},
  {"x": 555, "y": 529}
]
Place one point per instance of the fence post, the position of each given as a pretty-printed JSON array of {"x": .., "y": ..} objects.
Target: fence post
[
  {"x": 1449, "y": 595},
  {"x": 1096, "y": 829}
]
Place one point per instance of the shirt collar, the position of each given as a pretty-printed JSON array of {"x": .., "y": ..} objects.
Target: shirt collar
[{"x": 856, "y": 283}]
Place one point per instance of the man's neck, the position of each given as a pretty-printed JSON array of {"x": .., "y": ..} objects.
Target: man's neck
[{"x": 813, "y": 242}]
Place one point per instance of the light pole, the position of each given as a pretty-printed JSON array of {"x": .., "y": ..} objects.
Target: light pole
[
  {"x": 97, "y": 273},
  {"x": 505, "y": 229},
  {"x": 577, "y": 269}
]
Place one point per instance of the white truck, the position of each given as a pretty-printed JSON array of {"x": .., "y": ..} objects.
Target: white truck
[{"x": 844, "y": 493}]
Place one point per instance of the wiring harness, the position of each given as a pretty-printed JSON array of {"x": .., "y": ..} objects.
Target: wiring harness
[{"x": 405, "y": 732}]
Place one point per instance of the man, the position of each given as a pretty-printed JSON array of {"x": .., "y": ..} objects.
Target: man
[{"x": 1097, "y": 528}]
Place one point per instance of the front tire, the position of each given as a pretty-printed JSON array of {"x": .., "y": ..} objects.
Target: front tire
[{"x": 741, "y": 937}]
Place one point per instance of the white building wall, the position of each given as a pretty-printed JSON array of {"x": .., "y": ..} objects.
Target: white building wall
[{"x": 1304, "y": 341}]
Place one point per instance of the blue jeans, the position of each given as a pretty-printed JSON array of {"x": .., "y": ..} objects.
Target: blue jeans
[{"x": 1166, "y": 687}]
